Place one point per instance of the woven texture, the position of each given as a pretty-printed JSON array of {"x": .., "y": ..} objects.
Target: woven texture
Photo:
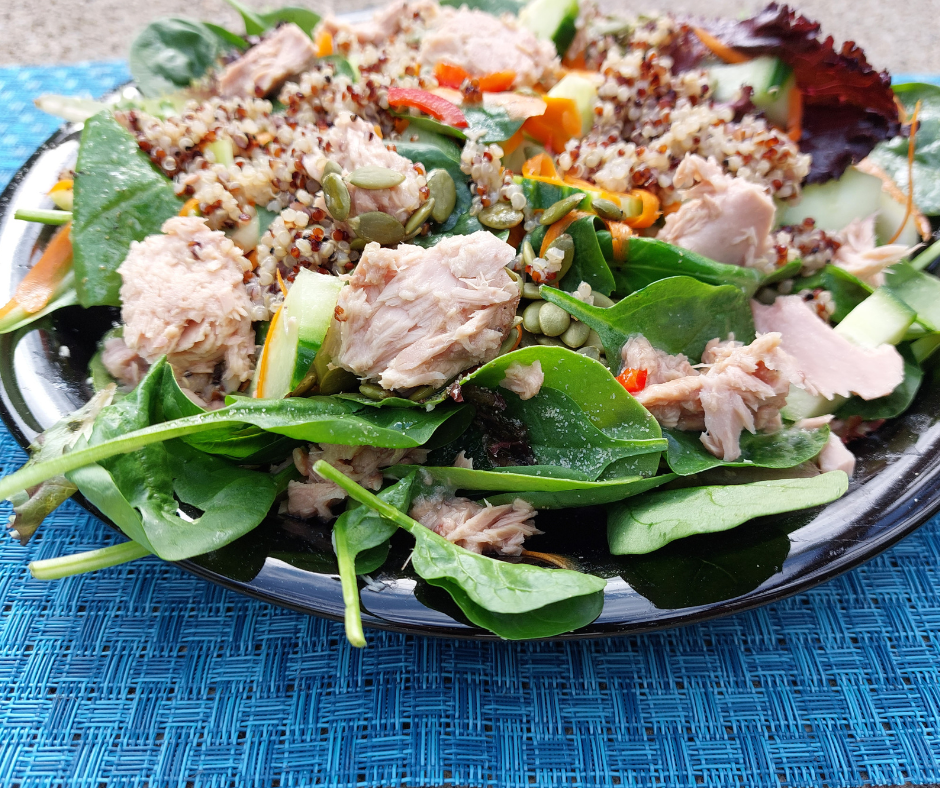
[{"x": 142, "y": 675}]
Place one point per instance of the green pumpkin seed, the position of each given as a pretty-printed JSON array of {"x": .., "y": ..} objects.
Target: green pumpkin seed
[
  {"x": 501, "y": 216},
  {"x": 419, "y": 217},
  {"x": 553, "y": 320},
  {"x": 530, "y": 317},
  {"x": 550, "y": 341},
  {"x": 566, "y": 244},
  {"x": 336, "y": 197},
  {"x": 510, "y": 341},
  {"x": 590, "y": 352},
  {"x": 632, "y": 207},
  {"x": 516, "y": 278},
  {"x": 594, "y": 340},
  {"x": 576, "y": 335},
  {"x": 607, "y": 209},
  {"x": 379, "y": 227},
  {"x": 561, "y": 208},
  {"x": 444, "y": 191},
  {"x": 372, "y": 177},
  {"x": 530, "y": 291},
  {"x": 421, "y": 393},
  {"x": 372, "y": 391},
  {"x": 332, "y": 167},
  {"x": 357, "y": 244},
  {"x": 601, "y": 300},
  {"x": 528, "y": 253}
]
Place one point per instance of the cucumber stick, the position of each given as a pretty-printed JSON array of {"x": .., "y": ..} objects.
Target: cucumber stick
[
  {"x": 296, "y": 334},
  {"x": 551, "y": 20},
  {"x": 771, "y": 79},
  {"x": 834, "y": 205}
]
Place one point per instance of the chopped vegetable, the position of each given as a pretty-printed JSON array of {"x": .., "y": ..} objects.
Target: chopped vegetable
[
  {"x": 633, "y": 380},
  {"x": 439, "y": 108}
]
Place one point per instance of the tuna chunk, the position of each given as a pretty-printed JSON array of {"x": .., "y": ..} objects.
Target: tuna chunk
[
  {"x": 723, "y": 218},
  {"x": 184, "y": 296},
  {"x": 524, "y": 380},
  {"x": 481, "y": 43},
  {"x": 742, "y": 387},
  {"x": 660, "y": 367},
  {"x": 387, "y": 21},
  {"x": 415, "y": 317},
  {"x": 836, "y": 457},
  {"x": 122, "y": 363},
  {"x": 267, "y": 65},
  {"x": 362, "y": 464},
  {"x": 479, "y": 529},
  {"x": 353, "y": 143},
  {"x": 831, "y": 364},
  {"x": 861, "y": 257}
]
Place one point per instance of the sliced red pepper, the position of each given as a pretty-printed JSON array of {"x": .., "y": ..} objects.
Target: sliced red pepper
[
  {"x": 633, "y": 380},
  {"x": 435, "y": 106}
]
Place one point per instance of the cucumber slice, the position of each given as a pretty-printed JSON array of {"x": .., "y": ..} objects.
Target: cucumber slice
[
  {"x": 771, "y": 79},
  {"x": 296, "y": 334},
  {"x": 551, "y": 20},
  {"x": 584, "y": 94},
  {"x": 836, "y": 204},
  {"x": 803, "y": 405},
  {"x": 880, "y": 319},
  {"x": 890, "y": 216}
]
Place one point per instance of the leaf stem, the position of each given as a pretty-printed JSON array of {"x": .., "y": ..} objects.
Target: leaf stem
[
  {"x": 43, "y": 215},
  {"x": 347, "y": 577},
  {"x": 926, "y": 257},
  {"x": 90, "y": 561}
]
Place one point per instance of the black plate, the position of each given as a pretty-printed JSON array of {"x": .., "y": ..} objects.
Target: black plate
[{"x": 290, "y": 562}]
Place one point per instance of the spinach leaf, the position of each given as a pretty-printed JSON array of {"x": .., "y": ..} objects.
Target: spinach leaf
[
  {"x": 494, "y": 7},
  {"x": 254, "y": 24},
  {"x": 361, "y": 533},
  {"x": 919, "y": 290},
  {"x": 896, "y": 402},
  {"x": 847, "y": 290},
  {"x": 678, "y": 315},
  {"x": 439, "y": 157},
  {"x": 304, "y": 18},
  {"x": 488, "y": 124},
  {"x": 602, "y": 492},
  {"x": 650, "y": 260},
  {"x": 645, "y": 524},
  {"x": 786, "y": 271},
  {"x": 119, "y": 197},
  {"x": 171, "y": 54},
  {"x": 891, "y": 155},
  {"x": 785, "y": 448},
  {"x": 341, "y": 67},
  {"x": 227, "y": 39},
  {"x": 589, "y": 264},
  {"x": 515, "y": 601}
]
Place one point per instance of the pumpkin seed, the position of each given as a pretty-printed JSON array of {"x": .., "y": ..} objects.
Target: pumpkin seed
[
  {"x": 553, "y": 320},
  {"x": 530, "y": 290},
  {"x": 590, "y": 351},
  {"x": 379, "y": 227},
  {"x": 550, "y": 341},
  {"x": 565, "y": 243},
  {"x": 419, "y": 217},
  {"x": 601, "y": 300},
  {"x": 422, "y": 392},
  {"x": 594, "y": 340},
  {"x": 510, "y": 341},
  {"x": 444, "y": 191},
  {"x": 373, "y": 177},
  {"x": 516, "y": 278},
  {"x": 372, "y": 391},
  {"x": 530, "y": 317},
  {"x": 357, "y": 244},
  {"x": 576, "y": 334},
  {"x": 336, "y": 197},
  {"x": 528, "y": 253},
  {"x": 561, "y": 209},
  {"x": 332, "y": 167},
  {"x": 500, "y": 216},
  {"x": 607, "y": 209}
]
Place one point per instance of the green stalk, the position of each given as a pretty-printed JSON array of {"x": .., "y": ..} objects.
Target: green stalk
[
  {"x": 926, "y": 257},
  {"x": 90, "y": 561},
  {"x": 347, "y": 577},
  {"x": 43, "y": 215}
]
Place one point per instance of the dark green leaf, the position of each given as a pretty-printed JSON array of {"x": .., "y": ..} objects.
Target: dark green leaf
[
  {"x": 494, "y": 7},
  {"x": 786, "y": 271},
  {"x": 589, "y": 264},
  {"x": 847, "y": 290},
  {"x": 785, "y": 448},
  {"x": 254, "y": 24},
  {"x": 490, "y": 124},
  {"x": 440, "y": 156},
  {"x": 646, "y": 523},
  {"x": 896, "y": 402},
  {"x": 678, "y": 315},
  {"x": 226, "y": 38},
  {"x": 119, "y": 198},
  {"x": 342, "y": 67},
  {"x": 171, "y": 54},
  {"x": 304, "y": 18},
  {"x": 366, "y": 530}
]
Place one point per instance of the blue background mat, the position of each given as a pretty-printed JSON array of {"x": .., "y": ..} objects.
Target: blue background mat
[{"x": 142, "y": 675}]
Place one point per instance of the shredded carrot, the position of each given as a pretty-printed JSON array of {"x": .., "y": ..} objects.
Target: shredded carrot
[
  {"x": 280, "y": 284},
  {"x": 560, "y": 122},
  {"x": 795, "y": 115},
  {"x": 324, "y": 43},
  {"x": 497, "y": 82},
  {"x": 378, "y": 130},
  {"x": 518, "y": 330},
  {"x": 448, "y": 75},
  {"x": 512, "y": 143},
  {"x": 190, "y": 207},
  {"x": 559, "y": 227},
  {"x": 911, "y": 150},
  {"x": 401, "y": 124},
  {"x": 718, "y": 49},
  {"x": 633, "y": 380},
  {"x": 39, "y": 285},
  {"x": 541, "y": 166},
  {"x": 576, "y": 63},
  {"x": 265, "y": 360},
  {"x": 549, "y": 558},
  {"x": 650, "y": 211},
  {"x": 516, "y": 234},
  {"x": 620, "y": 238},
  {"x": 671, "y": 208},
  {"x": 252, "y": 257}
]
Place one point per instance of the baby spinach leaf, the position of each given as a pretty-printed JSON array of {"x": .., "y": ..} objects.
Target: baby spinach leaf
[
  {"x": 785, "y": 448},
  {"x": 650, "y": 260},
  {"x": 896, "y": 402},
  {"x": 227, "y": 39},
  {"x": 487, "y": 124},
  {"x": 494, "y": 7},
  {"x": 439, "y": 157},
  {"x": 341, "y": 67},
  {"x": 171, "y": 54},
  {"x": 119, "y": 198},
  {"x": 589, "y": 264},
  {"x": 678, "y": 315},
  {"x": 304, "y": 18},
  {"x": 644, "y": 524},
  {"x": 254, "y": 24},
  {"x": 847, "y": 290},
  {"x": 919, "y": 290},
  {"x": 891, "y": 155},
  {"x": 515, "y": 601},
  {"x": 601, "y": 492},
  {"x": 786, "y": 271}
]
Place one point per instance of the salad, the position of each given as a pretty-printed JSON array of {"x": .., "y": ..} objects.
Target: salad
[{"x": 464, "y": 262}]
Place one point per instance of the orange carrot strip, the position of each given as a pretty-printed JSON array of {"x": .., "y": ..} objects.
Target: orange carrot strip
[
  {"x": 450, "y": 76},
  {"x": 650, "y": 212},
  {"x": 911, "y": 150},
  {"x": 560, "y": 122},
  {"x": 558, "y": 228},
  {"x": 512, "y": 143},
  {"x": 516, "y": 234},
  {"x": 518, "y": 330},
  {"x": 497, "y": 82},
  {"x": 280, "y": 284},
  {"x": 324, "y": 43},
  {"x": 795, "y": 115},
  {"x": 190, "y": 207},
  {"x": 540, "y": 166},
  {"x": 718, "y": 49},
  {"x": 619, "y": 236},
  {"x": 39, "y": 285},
  {"x": 265, "y": 361}
]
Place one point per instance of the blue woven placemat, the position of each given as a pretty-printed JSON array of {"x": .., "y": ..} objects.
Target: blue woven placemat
[{"x": 145, "y": 676}]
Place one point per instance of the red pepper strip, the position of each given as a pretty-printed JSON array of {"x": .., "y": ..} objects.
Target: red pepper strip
[
  {"x": 633, "y": 380},
  {"x": 435, "y": 106}
]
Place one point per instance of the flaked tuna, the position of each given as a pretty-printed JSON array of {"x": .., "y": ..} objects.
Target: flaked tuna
[
  {"x": 387, "y": 21},
  {"x": 413, "y": 317},
  {"x": 122, "y": 363},
  {"x": 831, "y": 364},
  {"x": 183, "y": 296},
  {"x": 352, "y": 143},
  {"x": 835, "y": 456},
  {"x": 861, "y": 256},
  {"x": 659, "y": 365},
  {"x": 523, "y": 379},
  {"x": 268, "y": 64},
  {"x": 721, "y": 217},
  {"x": 475, "y": 527},
  {"x": 481, "y": 43},
  {"x": 740, "y": 387},
  {"x": 362, "y": 464}
]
